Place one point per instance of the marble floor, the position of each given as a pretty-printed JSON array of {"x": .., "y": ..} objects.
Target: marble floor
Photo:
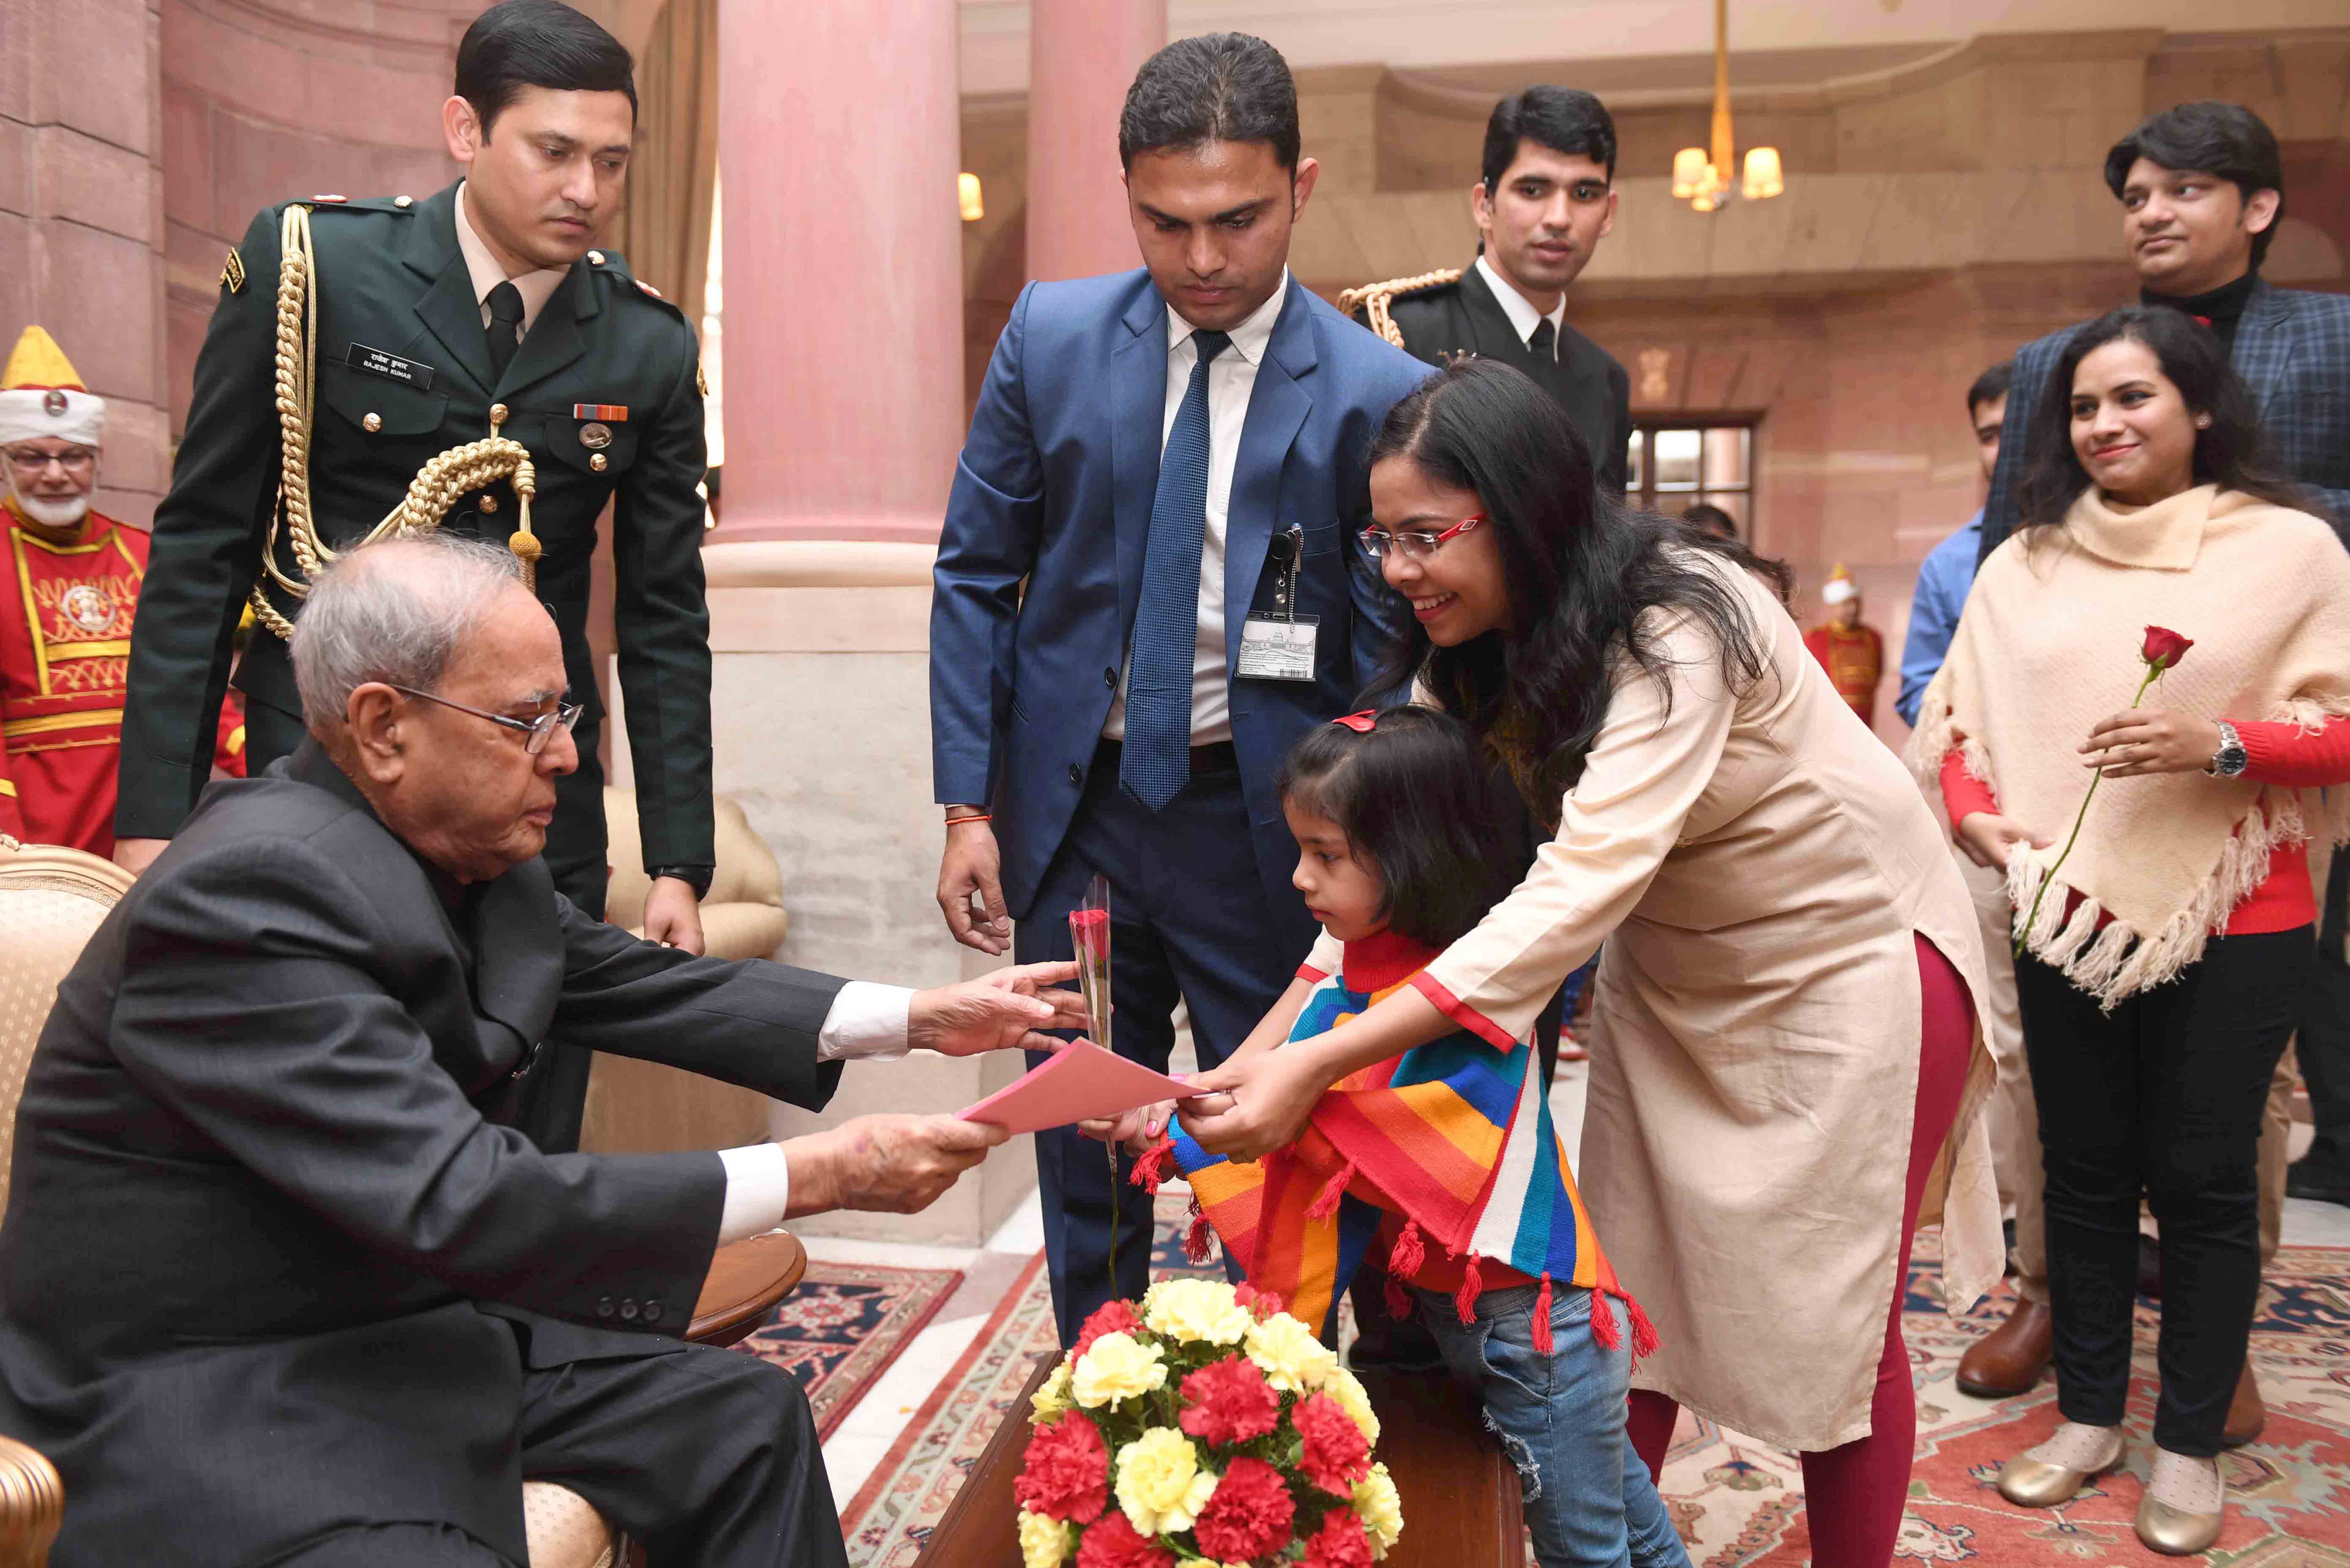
[{"x": 989, "y": 1271}]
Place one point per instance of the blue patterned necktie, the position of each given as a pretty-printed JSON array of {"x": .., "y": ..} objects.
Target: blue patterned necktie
[{"x": 1155, "y": 762}]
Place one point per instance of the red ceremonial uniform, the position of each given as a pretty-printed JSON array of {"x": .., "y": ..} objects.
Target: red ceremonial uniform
[
  {"x": 1854, "y": 659},
  {"x": 64, "y": 647}
]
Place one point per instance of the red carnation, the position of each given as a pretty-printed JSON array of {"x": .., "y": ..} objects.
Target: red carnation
[
  {"x": 1112, "y": 1541},
  {"x": 1229, "y": 1401},
  {"x": 2163, "y": 648},
  {"x": 1340, "y": 1543},
  {"x": 1110, "y": 1317},
  {"x": 1264, "y": 1304},
  {"x": 1250, "y": 1515},
  {"x": 1335, "y": 1453},
  {"x": 1066, "y": 1470}
]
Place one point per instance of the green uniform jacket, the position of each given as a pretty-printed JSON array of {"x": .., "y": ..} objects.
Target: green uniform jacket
[{"x": 390, "y": 278}]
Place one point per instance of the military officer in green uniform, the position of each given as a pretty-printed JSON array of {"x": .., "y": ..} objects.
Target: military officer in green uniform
[
  {"x": 439, "y": 320},
  {"x": 1546, "y": 199}
]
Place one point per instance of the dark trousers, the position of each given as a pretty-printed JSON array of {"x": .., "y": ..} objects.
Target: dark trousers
[
  {"x": 2325, "y": 1043},
  {"x": 705, "y": 1456},
  {"x": 1189, "y": 918},
  {"x": 2161, "y": 1097},
  {"x": 553, "y": 1097}
]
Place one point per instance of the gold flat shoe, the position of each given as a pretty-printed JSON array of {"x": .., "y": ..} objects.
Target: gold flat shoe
[
  {"x": 2028, "y": 1482},
  {"x": 2174, "y": 1532}
]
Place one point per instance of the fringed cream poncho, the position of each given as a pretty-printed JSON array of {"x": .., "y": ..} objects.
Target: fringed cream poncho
[{"x": 2048, "y": 646}]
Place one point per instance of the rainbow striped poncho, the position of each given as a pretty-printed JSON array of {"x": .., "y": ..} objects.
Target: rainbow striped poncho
[{"x": 1454, "y": 1137}]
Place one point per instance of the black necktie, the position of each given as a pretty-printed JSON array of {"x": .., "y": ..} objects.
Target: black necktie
[
  {"x": 504, "y": 329},
  {"x": 1543, "y": 342}
]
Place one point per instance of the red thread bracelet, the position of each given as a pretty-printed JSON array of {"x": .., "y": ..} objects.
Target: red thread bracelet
[{"x": 975, "y": 816}]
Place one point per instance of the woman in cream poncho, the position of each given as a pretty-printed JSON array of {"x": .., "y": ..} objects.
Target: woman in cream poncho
[
  {"x": 2166, "y": 960},
  {"x": 1789, "y": 950}
]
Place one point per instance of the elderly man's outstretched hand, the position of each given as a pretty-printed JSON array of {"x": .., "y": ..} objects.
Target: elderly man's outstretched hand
[
  {"x": 997, "y": 1011},
  {"x": 896, "y": 1165}
]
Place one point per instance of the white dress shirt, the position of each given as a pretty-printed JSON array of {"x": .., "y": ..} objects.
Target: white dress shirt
[
  {"x": 1232, "y": 378},
  {"x": 535, "y": 287},
  {"x": 867, "y": 1023},
  {"x": 1523, "y": 317}
]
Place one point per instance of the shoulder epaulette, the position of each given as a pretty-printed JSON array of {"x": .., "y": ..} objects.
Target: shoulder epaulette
[
  {"x": 1372, "y": 300},
  {"x": 617, "y": 266},
  {"x": 332, "y": 204}
]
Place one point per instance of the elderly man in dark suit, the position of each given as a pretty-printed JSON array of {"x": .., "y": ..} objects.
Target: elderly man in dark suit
[
  {"x": 2202, "y": 190},
  {"x": 279, "y": 1283}
]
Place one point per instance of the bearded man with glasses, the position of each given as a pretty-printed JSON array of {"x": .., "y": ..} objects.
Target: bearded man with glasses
[{"x": 65, "y": 631}]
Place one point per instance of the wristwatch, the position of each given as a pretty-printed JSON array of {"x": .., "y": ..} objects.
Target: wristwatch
[
  {"x": 2231, "y": 759},
  {"x": 695, "y": 877}
]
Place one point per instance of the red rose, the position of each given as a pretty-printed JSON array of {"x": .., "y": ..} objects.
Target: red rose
[
  {"x": 1110, "y": 1317},
  {"x": 1066, "y": 1470},
  {"x": 1340, "y": 1543},
  {"x": 2163, "y": 648},
  {"x": 1335, "y": 1453},
  {"x": 1229, "y": 1401},
  {"x": 1250, "y": 1515},
  {"x": 1112, "y": 1541}
]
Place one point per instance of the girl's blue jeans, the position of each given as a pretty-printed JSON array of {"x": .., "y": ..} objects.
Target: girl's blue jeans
[{"x": 1560, "y": 1416}]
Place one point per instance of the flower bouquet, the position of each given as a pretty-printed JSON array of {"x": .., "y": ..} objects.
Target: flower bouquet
[{"x": 1211, "y": 1431}]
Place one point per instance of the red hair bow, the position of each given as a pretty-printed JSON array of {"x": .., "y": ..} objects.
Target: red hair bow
[{"x": 1362, "y": 723}]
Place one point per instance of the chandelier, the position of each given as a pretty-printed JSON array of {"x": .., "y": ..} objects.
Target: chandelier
[{"x": 1703, "y": 179}]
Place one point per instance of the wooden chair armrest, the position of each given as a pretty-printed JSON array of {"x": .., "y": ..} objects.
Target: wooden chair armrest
[
  {"x": 746, "y": 1280},
  {"x": 32, "y": 1505}
]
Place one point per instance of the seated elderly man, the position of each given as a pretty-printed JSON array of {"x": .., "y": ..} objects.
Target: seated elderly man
[{"x": 278, "y": 1284}]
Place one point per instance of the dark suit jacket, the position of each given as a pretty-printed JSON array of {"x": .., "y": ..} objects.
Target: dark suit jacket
[
  {"x": 1040, "y": 566},
  {"x": 392, "y": 277},
  {"x": 1464, "y": 317},
  {"x": 2291, "y": 348},
  {"x": 262, "y": 1206}
]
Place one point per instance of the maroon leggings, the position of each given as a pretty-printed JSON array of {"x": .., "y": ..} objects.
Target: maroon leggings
[{"x": 1853, "y": 1495}]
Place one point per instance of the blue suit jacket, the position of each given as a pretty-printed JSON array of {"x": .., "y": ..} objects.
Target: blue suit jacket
[
  {"x": 2292, "y": 350},
  {"x": 1053, "y": 491}
]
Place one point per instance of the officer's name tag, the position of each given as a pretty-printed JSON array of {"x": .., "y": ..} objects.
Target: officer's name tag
[
  {"x": 376, "y": 362},
  {"x": 1278, "y": 649}
]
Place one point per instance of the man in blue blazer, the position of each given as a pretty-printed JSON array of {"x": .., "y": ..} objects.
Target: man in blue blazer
[
  {"x": 1148, "y": 587},
  {"x": 2202, "y": 190}
]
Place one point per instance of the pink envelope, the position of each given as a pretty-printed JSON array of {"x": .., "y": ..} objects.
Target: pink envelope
[{"x": 1081, "y": 1081}]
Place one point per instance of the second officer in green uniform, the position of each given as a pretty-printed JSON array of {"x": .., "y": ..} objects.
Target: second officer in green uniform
[{"x": 439, "y": 320}]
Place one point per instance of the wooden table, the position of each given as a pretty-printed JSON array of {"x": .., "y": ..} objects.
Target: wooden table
[
  {"x": 1461, "y": 1500},
  {"x": 745, "y": 1281}
]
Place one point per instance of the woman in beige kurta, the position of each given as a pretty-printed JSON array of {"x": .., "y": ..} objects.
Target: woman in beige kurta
[{"x": 1762, "y": 869}]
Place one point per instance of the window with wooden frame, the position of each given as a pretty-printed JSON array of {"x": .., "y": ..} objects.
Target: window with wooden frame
[{"x": 1676, "y": 462}]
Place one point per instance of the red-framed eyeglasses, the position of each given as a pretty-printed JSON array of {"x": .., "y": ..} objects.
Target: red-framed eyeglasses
[{"x": 1378, "y": 541}]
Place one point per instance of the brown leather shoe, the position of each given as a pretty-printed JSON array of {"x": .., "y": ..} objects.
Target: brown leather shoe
[
  {"x": 2010, "y": 1358},
  {"x": 2246, "y": 1414}
]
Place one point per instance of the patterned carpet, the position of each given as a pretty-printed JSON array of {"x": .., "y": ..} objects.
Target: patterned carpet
[
  {"x": 1739, "y": 1504},
  {"x": 844, "y": 1326}
]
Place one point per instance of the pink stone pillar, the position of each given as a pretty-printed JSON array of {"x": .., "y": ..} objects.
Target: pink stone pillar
[
  {"x": 839, "y": 136},
  {"x": 1082, "y": 54}
]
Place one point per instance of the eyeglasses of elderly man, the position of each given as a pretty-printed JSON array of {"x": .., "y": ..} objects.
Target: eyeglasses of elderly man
[
  {"x": 34, "y": 459},
  {"x": 539, "y": 731}
]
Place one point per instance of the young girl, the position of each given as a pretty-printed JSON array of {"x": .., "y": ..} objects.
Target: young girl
[{"x": 1441, "y": 1162}]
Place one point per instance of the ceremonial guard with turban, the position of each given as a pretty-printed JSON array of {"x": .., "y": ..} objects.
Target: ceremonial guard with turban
[
  {"x": 65, "y": 631},
  {"x": 1852, "y": 654}
]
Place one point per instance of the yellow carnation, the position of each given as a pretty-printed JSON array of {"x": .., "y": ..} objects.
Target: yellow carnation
[
  {"x": 1118, "y": 1366},
  {"x": 1160, "y": 1484},
  {"x": 1290, "y": 1358},
  {"x": 1043, "y": 1541},
  {"x": 1379, "y": 1507},
  {"x": 1352, "y": 1398},
  {"x": 1194, "y": 1312},
  {"x": 1052, "y": 1397}
]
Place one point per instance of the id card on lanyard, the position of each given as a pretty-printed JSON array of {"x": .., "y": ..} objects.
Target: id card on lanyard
[{"x": 1280, "y": 646}]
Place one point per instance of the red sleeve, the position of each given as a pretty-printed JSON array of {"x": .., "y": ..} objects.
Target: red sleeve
[
  {"x": 1963, "y": 794},
  {"x": 228, "y": 741},
  {"x": 2283, "y": 753}
]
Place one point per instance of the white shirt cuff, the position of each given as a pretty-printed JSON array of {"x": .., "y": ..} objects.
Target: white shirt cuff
[
  {"x": 867, "y": 1023},
  {"x": 758, "y": 1191}
]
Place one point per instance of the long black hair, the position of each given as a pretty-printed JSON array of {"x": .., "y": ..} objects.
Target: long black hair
[
  {"x": 1419, "y": 803},
  {"x": 1580, "y": 569},
  {"x": 2230, "y": 452}
]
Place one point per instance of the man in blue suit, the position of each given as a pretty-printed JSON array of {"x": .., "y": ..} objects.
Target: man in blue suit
[{"x": 1148, "y": 587}]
